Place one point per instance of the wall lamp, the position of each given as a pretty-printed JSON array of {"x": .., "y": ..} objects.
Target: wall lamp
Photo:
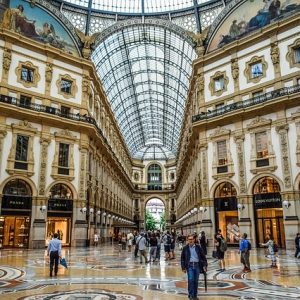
[
  {"x": 43, "y": 208},
  {"x": 240, "y": 206},
  {"x": 99, "y": 212},
  {"x": 91, "y": 210},
  {"x": 83, "y": 210},
  {"x": 286, "y": 203},
  {"x": 202, "y": 209}
]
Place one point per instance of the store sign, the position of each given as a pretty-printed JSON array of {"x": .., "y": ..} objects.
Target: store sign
[
  {"x": 225, "y": 204},
  {"x": 269, "y": 200},
  {"x": 60, "y": 205},
  {"x": 16, "y": 202}
]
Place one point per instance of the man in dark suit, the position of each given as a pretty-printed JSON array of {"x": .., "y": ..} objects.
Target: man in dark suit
[
  {"x": 193, "y": 262},
  {"x": 297, "y": 245}
]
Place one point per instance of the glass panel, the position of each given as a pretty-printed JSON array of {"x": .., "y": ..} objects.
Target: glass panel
[
  {"x": 297, "y": 55},
  {"x": 261, "y": 139},
  {"x": 22, "y": 148},
  {"x": 219, "y": 84},
  {"x": 27, "y": 74},
  {"x": 61, "y": 226},
  {"x": 145, "y": 72},
  {"x": 65, "y": 86},
  {"x": 63, "y": 157},
  {"x": 256, "y": 70}
]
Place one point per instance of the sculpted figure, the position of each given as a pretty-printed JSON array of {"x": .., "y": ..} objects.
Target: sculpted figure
[
  {"x": 199, "y": 39},
  {"x": 87, "y": 41}
]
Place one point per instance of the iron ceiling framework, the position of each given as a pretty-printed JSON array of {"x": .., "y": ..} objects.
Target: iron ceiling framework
[{"x": 144, "y": 68}]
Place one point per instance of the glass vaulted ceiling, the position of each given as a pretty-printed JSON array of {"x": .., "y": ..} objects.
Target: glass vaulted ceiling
[
  {"x": 138, "y": 6},
  {"x": 145, "y": 72}
]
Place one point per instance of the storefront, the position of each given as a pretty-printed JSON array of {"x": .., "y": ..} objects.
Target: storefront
[
  {"x": 15, "y": 214},
  {"x": 60, "y": 210},
  {"x": 226, "y": 212},
  {"x": 268, "y": 211}
]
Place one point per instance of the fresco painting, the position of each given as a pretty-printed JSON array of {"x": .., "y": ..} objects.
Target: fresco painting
[
  {"x": 250, "y": 16},
  {"x": 37, "y": 24}
]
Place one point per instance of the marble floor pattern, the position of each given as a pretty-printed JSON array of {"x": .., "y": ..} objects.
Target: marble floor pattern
[{"x": 105, "y": 273}]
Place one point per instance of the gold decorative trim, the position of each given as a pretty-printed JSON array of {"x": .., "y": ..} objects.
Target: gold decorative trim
[
  {"x": 36, "y": 75},
  {"x": 247, "y": 71},
  {"x": 290, "y": 54},
  {"x": 74, "y": 87},
  {"x": 211, "y": 85}
]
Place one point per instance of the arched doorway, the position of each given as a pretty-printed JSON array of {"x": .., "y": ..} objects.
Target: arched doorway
[
  {"x": 15, "y": 214},
  {"x": 155, "y": 215},
  {"x": 268, "y": 211},
  {"x": 226, "y": 212},
  {"x": 154, "y": 177},
  {"x": 59, "y": 214}
]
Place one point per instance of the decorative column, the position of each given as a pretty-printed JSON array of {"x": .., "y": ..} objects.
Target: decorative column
[
  {"x": 291, "y": 220},
  {"x": 207, "y": 217}
]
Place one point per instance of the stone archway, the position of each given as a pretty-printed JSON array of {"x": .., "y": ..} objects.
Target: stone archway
[{"x": 155, "y": 211}]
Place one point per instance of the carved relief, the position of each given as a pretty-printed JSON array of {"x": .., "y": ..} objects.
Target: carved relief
[
  {"x": 274, "y": 53},
  {"x": 282, "y": 131},
  {"x": 49, "y": 72},
  {"x": 82, "y": 173},
  {"x": 199, "y": 38},
  {"x": 6, "y": 60},
  {"x": 43, "y": 165},
  {"x": 235, "y": 71},
  {"x": 239, "y": 139}
]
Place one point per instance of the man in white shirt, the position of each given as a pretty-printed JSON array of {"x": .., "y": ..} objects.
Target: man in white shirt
[
  {"x": 54, "y": 250},
  {"x": 129, "y": 240}
]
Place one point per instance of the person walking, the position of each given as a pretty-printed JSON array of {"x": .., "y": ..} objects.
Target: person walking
[
  {"x": 245, "y": 248},
  {"x": 203, "y": 242},
  {"x": 158, "y": 246},
  {"x": 96, "y": 239},
  {"x": 142, "y": 244},
  {"x": 221, "y": 246},
  {"x": 297, "y": 245},
  {"x": 193, "y": 262},
  {"x": 130, "y": 238},
  {"x": 270, "y": 244},
  {"x": 54, "y": 251},
  {"x": 153, "y": 247}
]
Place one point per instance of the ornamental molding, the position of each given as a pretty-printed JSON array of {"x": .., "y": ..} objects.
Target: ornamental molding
[
  {"x": 260, "y": 123},
  {"x": 220, "y": 132},
  {"x": 166, "y": 24}
]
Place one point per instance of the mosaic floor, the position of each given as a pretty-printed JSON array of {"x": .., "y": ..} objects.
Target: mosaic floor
[{"x": 105, "y": 273}]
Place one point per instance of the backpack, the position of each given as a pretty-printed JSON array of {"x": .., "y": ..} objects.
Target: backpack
[
  {"x": 275, "y": 247},
  {"x": 223, "y": 245},
  {"x": 169, "y": 241},
  {"x": 249, "y": 245}
]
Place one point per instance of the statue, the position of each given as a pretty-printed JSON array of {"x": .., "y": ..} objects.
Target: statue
[
  {"x": 6, "y": 59},
  {"x": 235, "y": 69},
  {"x": 199, "y": 38},
  {"x": 87, "y": 41},
  {"x": 274, "y": 54},
  {"x": 200, "y": 82},
  {"x": 49, "y": 71}
]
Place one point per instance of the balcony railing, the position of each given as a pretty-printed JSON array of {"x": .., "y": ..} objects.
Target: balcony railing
[
  {"x": 57, "y": 112},
  {"x": 154, "y": 187},
  {"x": 247, "y": 103}
]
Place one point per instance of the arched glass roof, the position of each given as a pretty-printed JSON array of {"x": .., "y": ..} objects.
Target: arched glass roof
[
  {"x": 137, "y": 6},
  {"x": 145, "y": 72}
]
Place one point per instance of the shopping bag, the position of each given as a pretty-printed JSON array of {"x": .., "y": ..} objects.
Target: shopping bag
[
  {"x": 214, "y": 254},
  {"x": 63, "y": 262}
]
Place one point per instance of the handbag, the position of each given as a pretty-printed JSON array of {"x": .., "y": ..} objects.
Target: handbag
[
  {"x": 63, "y": 262},
  {"x": 214, "y": 254}
]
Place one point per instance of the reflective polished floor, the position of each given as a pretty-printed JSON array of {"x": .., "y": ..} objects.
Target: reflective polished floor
[{"x": 105, "y": 273}]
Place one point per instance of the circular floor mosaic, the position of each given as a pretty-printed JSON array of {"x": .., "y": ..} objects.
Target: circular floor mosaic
[{"x": 83, "y": 294}]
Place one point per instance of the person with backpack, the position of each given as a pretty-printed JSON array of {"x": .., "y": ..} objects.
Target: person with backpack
[
  {"x": 221, "y": 246},
  {"x": 167, "y": 245},
  {"x": 245, "y": 248},
  {"x": 272, "y": 247}
]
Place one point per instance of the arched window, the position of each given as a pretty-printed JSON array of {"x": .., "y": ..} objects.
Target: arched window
[
  {"x": 61, "y": 191},
  {"x": 17, "y": 187},
  {"x": 154, "y": 177},
  {"x": 225, "y": 189},
  {"x": 266, "y": 185}
]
